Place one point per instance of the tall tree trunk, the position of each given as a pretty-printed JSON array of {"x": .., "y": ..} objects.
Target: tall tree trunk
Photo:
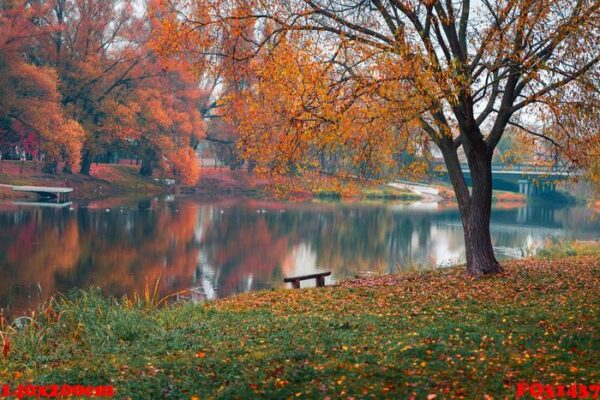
[
  {"x": 476, "y": 219},
  {"x": 475, "y": 208},
  {"x": 86, "y": 162}
]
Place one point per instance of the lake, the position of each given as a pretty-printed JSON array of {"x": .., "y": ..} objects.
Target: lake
[{"x": 220, "y": 248}]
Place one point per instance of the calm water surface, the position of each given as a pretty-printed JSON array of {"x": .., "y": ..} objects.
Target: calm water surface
[{"x": 221, "y": 248}]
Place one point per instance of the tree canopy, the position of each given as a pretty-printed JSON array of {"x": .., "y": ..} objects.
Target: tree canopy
[
  {"x": 364, "y": 76},
  {"x": 81, "y": 79}
]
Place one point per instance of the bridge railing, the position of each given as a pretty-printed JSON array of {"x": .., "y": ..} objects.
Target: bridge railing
[{"x": 524, "y": 168}]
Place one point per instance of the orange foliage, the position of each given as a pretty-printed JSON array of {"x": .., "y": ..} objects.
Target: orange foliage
[
  {"x": 363, "y": 89},
  {"x": 30, "y": 105},
  {"x": 100, "y": 86},
  {"x": 293, "y": 120},
  {"x": 186, "y": 165}
]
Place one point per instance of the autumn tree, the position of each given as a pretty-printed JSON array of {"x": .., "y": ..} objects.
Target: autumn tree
[
  {"x": 83, "y": 77},
  {"x": 236, "y": 76},
  {"x": 222, "y": 60},
  {"x": 95, "y": 47},
  {"x": 295, "y": 119},
  {"x": 31, "y": 114},
  {"x": 165, "y": 121},
  {"x": 471, "y": 70}
]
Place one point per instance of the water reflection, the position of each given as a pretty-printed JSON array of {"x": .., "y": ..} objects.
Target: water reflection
[{"x": 218, "y": 249}]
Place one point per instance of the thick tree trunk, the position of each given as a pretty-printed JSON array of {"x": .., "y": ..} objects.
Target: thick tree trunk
[
  {"x": 476, "y": 218},
  {"x": 478, "y": 244},
  {"x": 475, "y": 208},
  {"x": 86, "y": 162}
]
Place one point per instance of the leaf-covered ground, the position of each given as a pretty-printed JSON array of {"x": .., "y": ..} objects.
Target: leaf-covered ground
[{"x": 418, "y": 335}]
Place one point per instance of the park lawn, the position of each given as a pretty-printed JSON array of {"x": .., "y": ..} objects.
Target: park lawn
[{"x": 415, "y": 334}]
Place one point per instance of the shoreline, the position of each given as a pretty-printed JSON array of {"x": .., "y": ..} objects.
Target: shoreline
[
  {"x": 427, "y": 329},
  {"x": 124, "y": 181},
  {"x": 106, "y": 180}
]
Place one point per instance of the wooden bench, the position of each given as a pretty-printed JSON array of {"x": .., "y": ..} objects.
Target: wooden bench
[{"x": 319, "y": 276}]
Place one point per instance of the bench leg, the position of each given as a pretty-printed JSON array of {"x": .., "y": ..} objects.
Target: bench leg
[
  {"x": 320, "y": 281},
  {"x": 296, "y": 283}
]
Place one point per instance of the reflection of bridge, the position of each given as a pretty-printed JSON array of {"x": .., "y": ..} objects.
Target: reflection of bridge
[
  {"x": 523, "y": 217},
  {"x": 528, "y": 179},
  {"x": 503, "y": 227}
]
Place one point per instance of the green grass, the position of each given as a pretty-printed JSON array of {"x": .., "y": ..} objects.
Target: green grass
[
  {"x": 328, "y": 194},
  {"x": 560, "y": 247},
  {"x": 395, "y": 336},
  {"x": 381, "y": 192},
  {"x": 389, "y": 193}
]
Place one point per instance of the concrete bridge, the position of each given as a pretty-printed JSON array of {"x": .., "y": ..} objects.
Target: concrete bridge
[
  {"x": 523, "y": 178},
  {"x": 60, "y": 194}
]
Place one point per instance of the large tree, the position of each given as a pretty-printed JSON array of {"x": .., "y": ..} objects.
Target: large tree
[
  {"x": 79, "y": 79},
  {"x": 31, "y": 114},
  {"x": 95, "y": 46},
  {"x": 472, "y": 69}
]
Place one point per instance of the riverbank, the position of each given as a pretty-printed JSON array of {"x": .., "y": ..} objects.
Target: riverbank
[
  {"x": 499, "y": 197},
  {"x": 121, "y": 180},
  {"x": 105, "y": 180},
  {"x": 432, "y": 334},
  {"x": 215, "y": 182}
]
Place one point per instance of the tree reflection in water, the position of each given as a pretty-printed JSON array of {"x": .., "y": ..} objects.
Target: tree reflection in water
[{"x": 223, "y": 248}]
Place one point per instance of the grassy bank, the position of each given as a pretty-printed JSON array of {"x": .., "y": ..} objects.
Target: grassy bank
[
  {"x": 558, "y": 248},
  {"x": 397, "y": 336},
  {"x": 326, "y": 187},
  {"x": 104, "y": 180},
  {"x": 498, "y": 196},
  {"x": 124, "y": 180},
  {"x": 366, "y": 192}
]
